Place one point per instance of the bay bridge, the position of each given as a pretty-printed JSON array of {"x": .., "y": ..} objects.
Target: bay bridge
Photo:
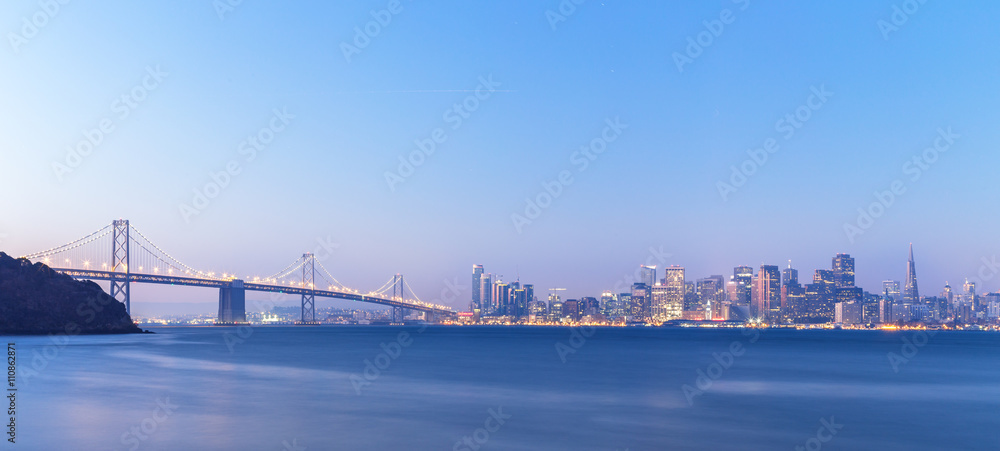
[{"x": 121, "y": 254}]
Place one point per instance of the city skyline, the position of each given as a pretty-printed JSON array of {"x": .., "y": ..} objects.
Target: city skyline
[
  {"x": 848, "y": 274},
  {"x": 769, "y": 295}
]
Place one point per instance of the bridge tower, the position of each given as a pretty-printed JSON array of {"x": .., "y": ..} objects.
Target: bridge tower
[
  {"x": 308, "y": 282},
  {"x": 398, "y": 313},
  {"x": 120, "y": 268}
]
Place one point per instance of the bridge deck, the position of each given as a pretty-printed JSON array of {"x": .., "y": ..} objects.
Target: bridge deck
[{"x": 212, "y": 283}]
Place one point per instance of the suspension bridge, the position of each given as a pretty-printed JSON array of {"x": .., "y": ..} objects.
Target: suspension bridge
[{"x": 121, "y": 254}]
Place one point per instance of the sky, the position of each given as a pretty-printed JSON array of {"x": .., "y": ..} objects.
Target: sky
[{"x": 563, "y": 144}]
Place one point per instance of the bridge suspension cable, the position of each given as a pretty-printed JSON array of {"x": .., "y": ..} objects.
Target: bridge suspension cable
[
  {"x": 100, "y": 233},
  {"x": 294, "y": 266},
  {"x": 332, "y": 279},
  {"x": 411, "y": 290},
  {"x": 386, "y": 287},
  {"x": 164, "y": 257}
]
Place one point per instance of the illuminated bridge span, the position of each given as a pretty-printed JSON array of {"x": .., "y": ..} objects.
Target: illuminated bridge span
[{"x": 121, "y": 254}]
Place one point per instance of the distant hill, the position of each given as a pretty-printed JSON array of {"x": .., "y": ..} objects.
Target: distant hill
[{"x": 34, "y": 299}]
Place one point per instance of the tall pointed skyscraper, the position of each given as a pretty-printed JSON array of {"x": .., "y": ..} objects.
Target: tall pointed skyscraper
[{"x": 910, "y": 294}]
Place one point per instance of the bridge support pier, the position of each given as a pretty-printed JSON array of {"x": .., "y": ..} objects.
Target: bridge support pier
[{"x": 232, "y": 304}]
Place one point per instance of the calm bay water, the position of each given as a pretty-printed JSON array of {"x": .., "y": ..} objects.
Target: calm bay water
[{"x": 291, "y": 388}]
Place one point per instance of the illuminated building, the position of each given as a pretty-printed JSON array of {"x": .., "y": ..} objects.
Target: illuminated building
[
  {"x": 571, "y": 310},
  {"x": 711, "y": 291},
  {"x": 848, "y": 313},
  {"x": 767, "y": 294},
  {"x": 843, "y": 271},
  {"x": 555, "y": 308},
  {"x": 486, "y": 292},
  {"x": 648, "y": 275},
  {"x": 477, "y": 288},
  {"x": 743, "y": 275},
  {"x": 911, "y": 294},
  {"x": 639, "y": 308}
]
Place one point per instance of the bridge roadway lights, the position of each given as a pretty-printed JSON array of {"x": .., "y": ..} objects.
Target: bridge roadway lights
[{"x": 232, "y": 304}]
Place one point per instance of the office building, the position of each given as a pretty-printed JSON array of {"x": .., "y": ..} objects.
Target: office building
[
  {"x": 767, "y": 294},
  {"x": 911, "y": 294},
  {"x": 843, "y": 271},
  {"x": 477, "y": 288}
]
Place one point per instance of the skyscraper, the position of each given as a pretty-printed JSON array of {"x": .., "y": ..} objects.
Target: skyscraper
[
  {"x": 518, "y": 303},
  {"x": 477, "y": 288},
  {"x": 639, "y": 306},
  {"x": 676, "y": 288},
  {"x": 767, "y": 293},
  {"x": 793, "y": 294},
  {"x": 843, "y": 281},
  {"x": 555, "y": 308},
  {"x": 624, "y": 306},
  {"x": 501, "y": 298},
  {"x": 589, "y": 306},
  {"x": 648, "y": 276},
  {"x": 911, "y": 295},
  {"x": 571, "y": 309},
  {"x": 711, "y": 291},
  {"x": 486, "y": 295},
  {"x": 843, "y": 271},
  {"x": 608, "y": 304},
  {"x": 890, "y": 295},
  {"x": 529, "y": 293},
  {"x": 789, "y": 276},
  {"x": 820, "y": 296},
  {"x": 664, "y": 308},
  {"x": 970, "y": 297},
  {"x": 890, "y": 289},
  {"x": 743, "y": 275}
]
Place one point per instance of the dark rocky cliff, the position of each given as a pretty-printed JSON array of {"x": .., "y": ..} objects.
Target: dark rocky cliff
[{"x": 34, "y": 299}]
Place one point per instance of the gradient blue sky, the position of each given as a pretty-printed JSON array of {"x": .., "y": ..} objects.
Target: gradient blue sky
[{"x": 654, "y": 186}]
